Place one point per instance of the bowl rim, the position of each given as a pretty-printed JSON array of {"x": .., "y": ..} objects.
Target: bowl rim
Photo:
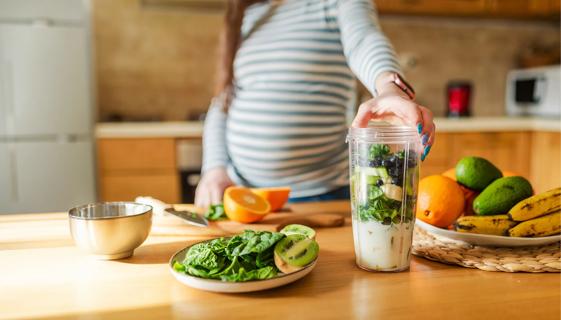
[{"x": 71, "y": 211}]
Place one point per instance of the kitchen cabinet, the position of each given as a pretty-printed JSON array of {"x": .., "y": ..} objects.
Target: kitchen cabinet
[
  {"x": 432, "y": 7},
  {"x": 545, "y": 168},
  {"x": 475, "y": 8},
  {"x": 518, "y": 8},
  {"x": 133, "y": 167},
  {"x": 534, "y": 155},
  {"x": 554, "y": 6}
]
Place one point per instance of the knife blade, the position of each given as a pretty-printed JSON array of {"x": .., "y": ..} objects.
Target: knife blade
[{"x": 189, "y": 217}]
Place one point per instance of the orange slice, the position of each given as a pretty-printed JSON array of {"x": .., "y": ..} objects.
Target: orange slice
[
  {"x": 242, "y": 205},
  {"x": 277, "y": 197}
]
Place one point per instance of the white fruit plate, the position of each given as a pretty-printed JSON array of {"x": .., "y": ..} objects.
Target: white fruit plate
[
  {"x": 235, "y": 287},
  {"x": 487, "y": 240}
]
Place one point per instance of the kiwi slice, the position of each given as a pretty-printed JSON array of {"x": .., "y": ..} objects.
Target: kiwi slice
[
  {"x": 294, "y": 252},
  {"x": 299, "y": 229}
]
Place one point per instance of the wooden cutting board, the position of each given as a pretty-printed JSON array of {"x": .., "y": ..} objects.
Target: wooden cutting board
[{"x": 171, "y": 225}]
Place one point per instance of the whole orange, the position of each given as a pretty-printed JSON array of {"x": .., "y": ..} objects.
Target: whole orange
[
  {"x": 507, "y": 173},
  {"x": 440, "y": 201},
  {"x": 242, "y": 205},
  {"x": 450, "y": 173},
  {"x": 277, "y": 197}
]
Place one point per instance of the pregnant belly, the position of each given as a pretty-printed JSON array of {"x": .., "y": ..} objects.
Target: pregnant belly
[{"x": 279, "y": 145}]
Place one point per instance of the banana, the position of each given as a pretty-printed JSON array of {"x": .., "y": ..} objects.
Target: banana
[
  {"x": 536, "y": 206},
  {"x": 495, "y": 225},
  {"x": 539, "y": 227}
]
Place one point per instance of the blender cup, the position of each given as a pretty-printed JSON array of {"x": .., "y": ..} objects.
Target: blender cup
[{"x": 384, "y": 171}]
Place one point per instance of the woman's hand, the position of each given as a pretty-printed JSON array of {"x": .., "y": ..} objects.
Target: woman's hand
[
  {"x": 211, "y": 187},
  {"x": 392, "y": 103}
]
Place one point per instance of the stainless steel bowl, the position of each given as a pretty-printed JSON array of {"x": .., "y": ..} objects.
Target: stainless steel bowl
[{"x": 110, "y": 230}]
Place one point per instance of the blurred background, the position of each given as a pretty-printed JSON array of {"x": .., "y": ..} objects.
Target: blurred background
[{"x": 103, "y": 99}]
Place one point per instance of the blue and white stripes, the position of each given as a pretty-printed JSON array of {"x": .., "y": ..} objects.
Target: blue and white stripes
[{"x": 294, "y": 86}]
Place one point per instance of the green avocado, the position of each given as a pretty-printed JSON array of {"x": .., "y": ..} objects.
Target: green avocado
[
  {"x": 501, "y": 195},
  {"x": 476, "y": 173}
]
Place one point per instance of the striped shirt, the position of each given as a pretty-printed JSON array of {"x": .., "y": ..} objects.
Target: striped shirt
[{"x": 294, "y": 86}]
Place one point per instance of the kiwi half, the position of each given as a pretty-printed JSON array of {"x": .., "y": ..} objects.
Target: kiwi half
[
  {"x": 299, "y": 229},
  {"x": 294, "y": 252}
]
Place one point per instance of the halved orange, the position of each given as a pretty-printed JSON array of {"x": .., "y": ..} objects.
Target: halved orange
[
  {"x": 242, "y": 205},
  {"x": 277, "y": 197}
]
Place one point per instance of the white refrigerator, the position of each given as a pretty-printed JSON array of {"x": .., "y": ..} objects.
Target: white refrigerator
[{"x": 46, "y": 116}]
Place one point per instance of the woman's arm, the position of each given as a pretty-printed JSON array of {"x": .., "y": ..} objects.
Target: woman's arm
[
  {"x": 214, "y": 179},
  {"x": 372, "y": 59}
]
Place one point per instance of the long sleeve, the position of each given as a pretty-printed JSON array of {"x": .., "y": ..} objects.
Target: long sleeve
[
  {"x": 367, "y": 50},
  {"x": 215, "y": 153}
]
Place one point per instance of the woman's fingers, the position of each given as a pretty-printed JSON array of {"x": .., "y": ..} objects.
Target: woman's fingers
[
  {"x": 427, "y": 134},
  {"x": 363, "y": 115},
  {"x": 406, "y": 110},
  {"x": 201, "y": 196},
  {"x": 216, "y": 195}
]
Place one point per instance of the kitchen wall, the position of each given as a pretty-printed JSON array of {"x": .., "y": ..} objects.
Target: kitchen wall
[
  {"x": 153, "y": 62},
  {"x": 158, "y": 63},
  {"x": 482, "y": 51}
]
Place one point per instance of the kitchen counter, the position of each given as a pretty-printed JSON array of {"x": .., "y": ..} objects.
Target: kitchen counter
[
  {"x": 497, "y": 124},
  {"x": 179, "y": 129},
  {"x": 44, "y": 275},
  {"x": 194, "y": 129}
]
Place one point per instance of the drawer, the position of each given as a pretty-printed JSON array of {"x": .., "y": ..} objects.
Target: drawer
[
  {"x": 136, "y": 154},
  {"x": 164, "y": 186}
]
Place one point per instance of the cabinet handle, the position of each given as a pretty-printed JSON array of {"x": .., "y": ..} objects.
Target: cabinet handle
[
  {"x": 6, "y": 94},
  {"x": 13, "y": 172}
]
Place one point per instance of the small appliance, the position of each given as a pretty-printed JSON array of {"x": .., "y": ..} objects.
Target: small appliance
[{"x": 534, "y": 92}]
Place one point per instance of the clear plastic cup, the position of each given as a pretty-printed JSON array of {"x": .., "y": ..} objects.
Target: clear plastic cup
[{"x": 384, "y": 174}]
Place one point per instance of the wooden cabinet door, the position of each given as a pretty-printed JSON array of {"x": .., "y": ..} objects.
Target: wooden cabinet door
[
  {"x": 132, "y": 167},
  {"x": 127, "y": 186},
  {"x": 518, "y": 8},
  {"x": 546, "y": 160},
  {"x": 440, "y": 158},
  {"x": 555, "y": 7},
  {"x": 432, "y": 7},
  {"x": 507, "y": 150}
]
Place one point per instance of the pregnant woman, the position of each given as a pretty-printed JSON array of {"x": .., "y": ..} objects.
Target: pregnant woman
[{"x": 286, "y": 84}]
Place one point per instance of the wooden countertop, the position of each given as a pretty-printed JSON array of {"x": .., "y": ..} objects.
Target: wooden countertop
[
  {"x": 194, "y": 129},
  {"x": 44, "y": 275}
]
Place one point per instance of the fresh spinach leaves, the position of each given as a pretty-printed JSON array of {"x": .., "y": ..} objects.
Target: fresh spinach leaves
[
  {"x": 381, "y": 208},
  {"x": 244, "y": 257},
  {"x": 378, "y": 150},
  {"x": 215, "y": 212}
]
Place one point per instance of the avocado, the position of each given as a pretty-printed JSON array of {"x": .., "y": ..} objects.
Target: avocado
[
  {"x": 476, "y": 173},
  {"x": 501, "y": 195}
]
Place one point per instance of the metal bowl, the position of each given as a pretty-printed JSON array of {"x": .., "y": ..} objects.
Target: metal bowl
[{"x": 110, "y": 230}]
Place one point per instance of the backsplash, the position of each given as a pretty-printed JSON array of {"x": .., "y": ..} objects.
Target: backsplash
[
  {"x": 481, "y": 51},
  {"x": 158, "y": 63}
]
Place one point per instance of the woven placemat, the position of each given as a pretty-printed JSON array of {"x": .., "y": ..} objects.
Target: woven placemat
[{"x": 517, "y": 259}]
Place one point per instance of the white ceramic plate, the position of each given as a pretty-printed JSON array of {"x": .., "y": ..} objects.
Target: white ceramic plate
[
  {"x": 235, "y": 287},
  {"x": 487, "y": 240}
]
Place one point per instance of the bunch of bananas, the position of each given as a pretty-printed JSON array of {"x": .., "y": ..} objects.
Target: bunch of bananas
[{"x": 537, "y": 216}]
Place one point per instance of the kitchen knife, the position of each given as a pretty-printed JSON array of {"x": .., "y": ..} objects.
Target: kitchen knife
[
  {"x": 189, "y": 217},
  {"x": 160, "y": 208}
]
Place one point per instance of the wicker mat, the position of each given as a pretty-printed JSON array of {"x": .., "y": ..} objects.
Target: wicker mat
[{"x": 522, "y": 259}]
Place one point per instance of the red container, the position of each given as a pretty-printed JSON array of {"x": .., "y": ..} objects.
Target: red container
[{"x": 459, "y": 98}]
